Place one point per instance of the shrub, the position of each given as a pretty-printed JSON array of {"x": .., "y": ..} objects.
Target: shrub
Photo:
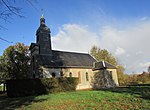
[
  {"x": 26, "y": 87},
  {"x": 68, "y": 83}
]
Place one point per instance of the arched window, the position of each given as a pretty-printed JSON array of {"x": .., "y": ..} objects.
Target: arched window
[
  {"x": 61, "y": 73},
  {"x": 111, "y": 73},
  {"x": 53, "y": 75},
  {"x": 87, "y": 76},
  {"x": 70, "y": 74}
]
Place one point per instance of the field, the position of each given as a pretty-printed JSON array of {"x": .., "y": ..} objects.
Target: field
[{"x": 123, "y": 98}]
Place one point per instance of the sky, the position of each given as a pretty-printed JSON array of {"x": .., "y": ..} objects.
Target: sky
[{"x": 120, "y": 26}]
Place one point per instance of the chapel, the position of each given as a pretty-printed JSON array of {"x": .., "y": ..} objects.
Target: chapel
[{"x": 47, "y": 63}]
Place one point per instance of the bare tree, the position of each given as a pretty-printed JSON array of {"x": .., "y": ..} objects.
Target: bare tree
[{"x": 9, "y": 9}]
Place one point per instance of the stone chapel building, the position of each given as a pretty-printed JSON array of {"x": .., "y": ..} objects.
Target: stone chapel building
[{"x": 47, "y": 62}]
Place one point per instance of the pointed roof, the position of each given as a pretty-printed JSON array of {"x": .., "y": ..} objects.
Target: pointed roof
[{"x": 42, "y": 27}]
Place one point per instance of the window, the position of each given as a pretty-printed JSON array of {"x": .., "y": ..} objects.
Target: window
[
  {"x": 61, "y": 73},
  {"x": 87, "y": 76},
  {"x": 53, "y": 75},
  {"x": 70, "y": 74},
  {"x": 110, "y": 73}
]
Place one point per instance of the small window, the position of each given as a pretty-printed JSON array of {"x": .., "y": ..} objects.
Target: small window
[
  {"x": 70, "y": 74},
  {"x": 87, "y": 76},
  {"x": 61, "y": 73},
  {"x": 53, "y": 75},
  {"x": 110, "y": 73}
]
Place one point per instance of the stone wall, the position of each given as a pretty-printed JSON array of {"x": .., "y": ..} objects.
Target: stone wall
[{"x": 84, "y": 75}]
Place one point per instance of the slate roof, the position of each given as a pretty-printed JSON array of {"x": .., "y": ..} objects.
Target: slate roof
[
  {"x": 66, "y": 59},
  {"x": 33, "y": 45},
  {"x": 103, "y": 65}
]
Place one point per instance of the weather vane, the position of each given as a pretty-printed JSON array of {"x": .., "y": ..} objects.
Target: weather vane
[{"x": 42, "y": 10}]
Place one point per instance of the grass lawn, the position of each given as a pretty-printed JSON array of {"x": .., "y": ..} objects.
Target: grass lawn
[{"x": 125, "y": 98}]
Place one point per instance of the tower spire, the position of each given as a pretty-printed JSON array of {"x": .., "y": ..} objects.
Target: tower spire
[
  {"x": 43, "y": 38},
  {"x": 42, "y": 16},
  {"x": 42, "y": 20}
]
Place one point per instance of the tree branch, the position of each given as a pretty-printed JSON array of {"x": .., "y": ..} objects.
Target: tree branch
[
  {"x": 5, "y": 40},
  {"x": 11, "y": 9}
]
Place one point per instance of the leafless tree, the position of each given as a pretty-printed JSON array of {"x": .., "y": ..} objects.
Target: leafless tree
[{"x": 9, "y": 9}]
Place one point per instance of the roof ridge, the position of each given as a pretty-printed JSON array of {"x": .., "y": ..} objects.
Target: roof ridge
[{"x": 70, "y": 52}]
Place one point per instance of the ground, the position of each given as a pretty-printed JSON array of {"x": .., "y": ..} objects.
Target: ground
[{"x": 122, "y": 98}]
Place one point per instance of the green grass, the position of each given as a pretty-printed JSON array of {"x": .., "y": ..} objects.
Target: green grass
[{"x": 125, "y": 98}]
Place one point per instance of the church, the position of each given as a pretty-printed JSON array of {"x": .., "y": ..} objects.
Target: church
[{"x": 46, "y": 62}]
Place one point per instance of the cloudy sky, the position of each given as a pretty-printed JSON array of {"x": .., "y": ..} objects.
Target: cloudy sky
[{"x": 120, "y": 26}]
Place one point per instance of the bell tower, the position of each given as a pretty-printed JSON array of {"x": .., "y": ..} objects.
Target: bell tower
[{"x": 43, "y": 38}]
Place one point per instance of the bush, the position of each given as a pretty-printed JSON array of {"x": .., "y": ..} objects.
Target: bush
[
  {"x": 26, "y": 87},
  {"x": 68, "y": 83}
]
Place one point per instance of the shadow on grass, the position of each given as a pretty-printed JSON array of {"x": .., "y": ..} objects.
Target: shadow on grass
[
  {"x": 143, "y": 91},
  {"x": 7, "y": 103}
]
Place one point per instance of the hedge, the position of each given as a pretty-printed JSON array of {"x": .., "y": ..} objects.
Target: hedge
[
  {"x": 26, "y": 87},
  {"x": 139, "y": 85}
]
